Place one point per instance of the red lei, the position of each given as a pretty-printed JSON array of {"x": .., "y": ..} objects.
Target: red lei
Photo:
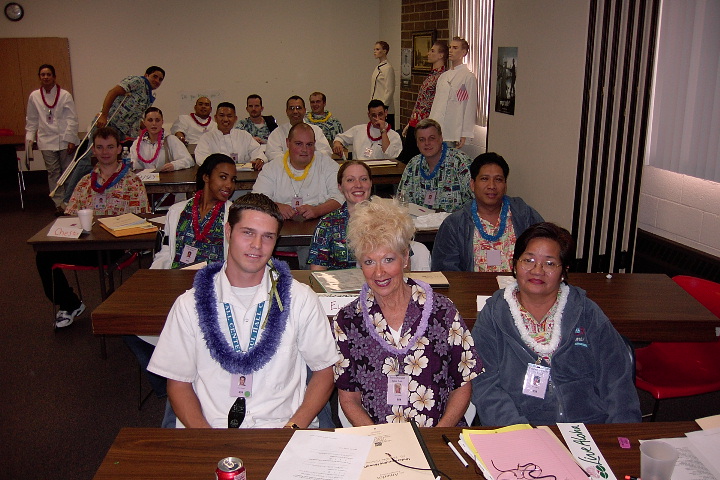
[
  {"x": 202, "y": 235},
  {"x": 110, "y": 182},
  {"x": 157, "y": 150},
  {"x": 57, "y": 97},
  {"x": 199, "y": 122},
  {"x": 374, "y": 139}
]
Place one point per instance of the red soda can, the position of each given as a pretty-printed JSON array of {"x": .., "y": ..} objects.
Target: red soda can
[{"x": 230, "y": 468}]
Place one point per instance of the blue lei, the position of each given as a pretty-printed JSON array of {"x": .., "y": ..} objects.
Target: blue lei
[
  {"x": 503, "y": 220},
  {"x": 265, "y": 349},
  {"x": 437, "y": 167},
  {"x": 149, "y": 90},
  {"x": 100, "y": 188}
]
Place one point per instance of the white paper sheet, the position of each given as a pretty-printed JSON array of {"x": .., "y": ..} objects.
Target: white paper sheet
[
  {"x": 322, "y": 456},
  {"x": 149, "y": 175},
  {"x": 66, "y": 227}
]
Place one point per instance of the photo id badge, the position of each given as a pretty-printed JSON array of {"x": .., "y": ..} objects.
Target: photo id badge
[
  {"x": 536, "y": 380},
  {"x": 188, "y": 254},
  {"x": 430, "y": 198},
  {"x": 234, "y": 156},
  {"x": 100, "y": 201},
  {"x": 368, "y": 152},
  {"x": 297, "y": 202},
  {"x": 398, "y": 391},
  {"x": 241, "y": 385},
  {"x": 493, "y": 258}
]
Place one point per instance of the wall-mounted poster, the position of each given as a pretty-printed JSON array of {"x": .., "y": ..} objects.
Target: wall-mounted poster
[{"x": 506, "y": 75}]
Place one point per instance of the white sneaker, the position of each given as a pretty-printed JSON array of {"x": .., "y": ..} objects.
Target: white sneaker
[{"x": 65, "y": 318}]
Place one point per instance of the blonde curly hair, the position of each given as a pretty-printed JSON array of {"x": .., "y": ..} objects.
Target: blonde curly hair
[{"x": 380, "y": 222}]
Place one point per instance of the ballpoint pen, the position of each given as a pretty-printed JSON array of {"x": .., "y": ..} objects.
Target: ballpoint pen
[{"x": 452, "y": 447}]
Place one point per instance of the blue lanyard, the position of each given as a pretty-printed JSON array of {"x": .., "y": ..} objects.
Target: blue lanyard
[
  {"x": 255, "y": 328},
  {"x": 431, "y": 175}
]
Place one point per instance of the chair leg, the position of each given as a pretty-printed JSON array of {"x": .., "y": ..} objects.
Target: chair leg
[
  {"x": 142, "y": 398},
  {"x": 655, "y": 410}
]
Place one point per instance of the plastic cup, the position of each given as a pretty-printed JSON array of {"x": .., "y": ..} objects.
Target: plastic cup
[
  {"x": 86, "y": 218},
  {"x": 657, "y": 460}
]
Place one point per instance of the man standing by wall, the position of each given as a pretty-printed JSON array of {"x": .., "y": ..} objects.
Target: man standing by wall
[{"x": 52, "y": 121}]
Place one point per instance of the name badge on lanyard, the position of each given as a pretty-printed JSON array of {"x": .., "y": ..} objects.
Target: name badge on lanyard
[
  {"x": 241, "y": 383},
  {"x": 398, "y": 389},
  {"x": 536, "y": 380}
]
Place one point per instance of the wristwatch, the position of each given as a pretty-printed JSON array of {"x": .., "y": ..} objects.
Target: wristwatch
[{"x": 292, "y": 425}]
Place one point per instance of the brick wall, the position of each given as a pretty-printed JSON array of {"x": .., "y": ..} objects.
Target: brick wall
[{"x": 418, "y": 15}]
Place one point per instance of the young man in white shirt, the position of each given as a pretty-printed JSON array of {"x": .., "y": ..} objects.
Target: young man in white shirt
[
  {"x": 375, "y": 139},
  {"x": 235, "y": 348},
  {"x": 52, "y": 121},
  {"x": 235, "y": 143}
]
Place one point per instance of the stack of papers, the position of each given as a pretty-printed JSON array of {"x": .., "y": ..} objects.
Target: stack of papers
[
  {"x": 519, "y": 450},
  {"x": 127, "y": 224},
  {"x": 380, "y": 163},
  {"x": 244, "y": 167}
]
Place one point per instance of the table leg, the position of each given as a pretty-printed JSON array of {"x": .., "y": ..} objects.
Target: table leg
[{"x": 101, "y": 272}]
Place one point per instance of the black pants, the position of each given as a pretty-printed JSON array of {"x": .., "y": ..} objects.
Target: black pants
[{"x": 65, "y": 297}]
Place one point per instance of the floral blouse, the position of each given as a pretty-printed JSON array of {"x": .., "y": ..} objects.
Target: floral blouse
[{"x": 442, "y": 359}]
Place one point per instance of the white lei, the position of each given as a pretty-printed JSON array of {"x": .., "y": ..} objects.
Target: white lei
[{"x": 537, "y": 347}]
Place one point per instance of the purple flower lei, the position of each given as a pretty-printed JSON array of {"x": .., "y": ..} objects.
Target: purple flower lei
[
  {"x": 220, "y": 350},
  {"x": 422, "y": 328}
]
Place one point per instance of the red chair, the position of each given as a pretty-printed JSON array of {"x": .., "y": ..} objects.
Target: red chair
[{"x": 673, "y": 370}]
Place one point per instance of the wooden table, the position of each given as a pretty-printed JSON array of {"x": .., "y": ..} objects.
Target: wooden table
[
  {"x": 98, "y": 240},
  {"x": 643, "y": 307},
  {"x": 183, "y": 181},
  {"x": 142, "y": 453}
]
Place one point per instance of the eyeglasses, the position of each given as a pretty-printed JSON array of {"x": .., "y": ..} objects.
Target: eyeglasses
[
  {"x": 295, "y": 107},
  {"x": 529, "y": 263}
]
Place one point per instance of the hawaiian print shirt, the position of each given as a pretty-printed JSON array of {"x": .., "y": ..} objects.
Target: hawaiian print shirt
[
  {"x": 209, "y": 250},
  {"x": 127, "y": 120},
  {"x": 506, "y": 245},
  {"x": 249, "y": 126},
  {"x": 425, "y": 97},
  {"x": 442, "y": 359},
  {"x": 330, "y": 127},
  {"x": 329, "y": 245},
  {"x": 451, "y": 183},
  {"x": 126, "y": 196}
]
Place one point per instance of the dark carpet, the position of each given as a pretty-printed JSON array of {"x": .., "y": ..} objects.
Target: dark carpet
[{"x": 61, "y": 404}]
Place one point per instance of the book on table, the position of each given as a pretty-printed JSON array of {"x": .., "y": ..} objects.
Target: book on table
[
  {"x": 352, "y": 279},
  {"x": 126, "y": 224}
]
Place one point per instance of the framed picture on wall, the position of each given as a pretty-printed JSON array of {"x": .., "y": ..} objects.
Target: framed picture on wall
[{"x": 422, "y": 42}]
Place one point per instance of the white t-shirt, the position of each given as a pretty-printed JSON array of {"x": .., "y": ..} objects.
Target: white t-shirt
[
  {"x": 319, "y": 186},
  {"x": 276, "y": 145},
  {"x": 279, "y": 387}
]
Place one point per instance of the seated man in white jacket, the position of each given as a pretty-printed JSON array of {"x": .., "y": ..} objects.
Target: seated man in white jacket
[
  {"x": 233, "y": 142},
  {"x": 374, "y": 139}
]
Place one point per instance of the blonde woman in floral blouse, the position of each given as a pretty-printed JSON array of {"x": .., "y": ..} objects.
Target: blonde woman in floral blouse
[{"x": 405, "y": 352}]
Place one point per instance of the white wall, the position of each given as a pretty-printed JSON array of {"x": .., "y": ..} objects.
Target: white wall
[
  {"x": 540, "y": 142},
  {"x": 681, "y": 208},
  {"x": 390, "y": 15},
  {"x": 274, "y": 48}
]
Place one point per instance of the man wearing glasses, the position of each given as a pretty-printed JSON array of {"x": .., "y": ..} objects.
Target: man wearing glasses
[
  {"x": 481, "y": 236},
  {"x": 277, "y": 145}
]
